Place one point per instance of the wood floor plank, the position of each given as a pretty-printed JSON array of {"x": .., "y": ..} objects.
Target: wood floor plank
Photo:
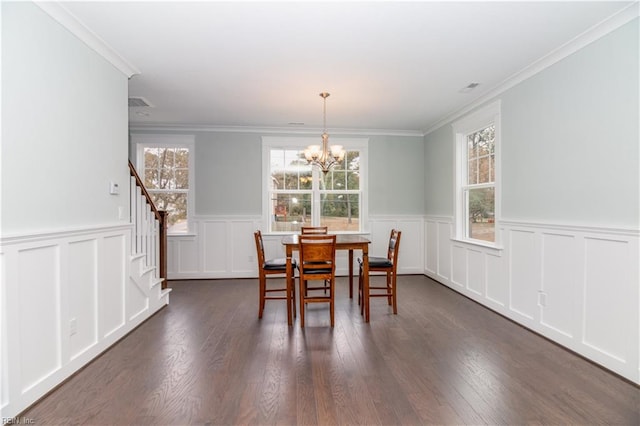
[{"x": 207, "y": 359}]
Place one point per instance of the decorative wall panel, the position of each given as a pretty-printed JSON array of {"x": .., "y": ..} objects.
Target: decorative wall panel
[
  {"x": 476, "y": 271},
  {"x": 83, "y": 309},
  {"x": 63, "y": 301},
  {"x": 39, "y": 313},
  {"x": 608, "y": 296},
  {"x": 112, "y": 285},
  {"x": 459, "y": 265},
  {"x": 431, "y": 247},
  {"x": 444, "y": 250},
  {"x": 525, "y": 272},
  {"x": 214, "y": 246},
  {"x": 578, "y": 286},
  {"x": 560, "y": 275},
  {"x": 244, "y": 252},
  {"x": 497, "y": 288}
]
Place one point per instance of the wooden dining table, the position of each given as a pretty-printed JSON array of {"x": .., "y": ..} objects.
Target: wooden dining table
[{"x": 348, "y": 242}]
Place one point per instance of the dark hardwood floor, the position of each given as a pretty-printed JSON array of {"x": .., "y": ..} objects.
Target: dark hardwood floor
[{"x": 207, "y": 359}]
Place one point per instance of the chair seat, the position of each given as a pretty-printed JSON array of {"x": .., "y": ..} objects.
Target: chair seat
[
  {"x": 316, "y": 267},
  {"x": 278, "y": 264},
  {"x": 378, "y": 262},
  {"x": 315, "y": 270}
]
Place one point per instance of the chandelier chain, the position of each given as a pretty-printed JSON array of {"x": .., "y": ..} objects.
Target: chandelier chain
[{"x": 323, "y": 156}]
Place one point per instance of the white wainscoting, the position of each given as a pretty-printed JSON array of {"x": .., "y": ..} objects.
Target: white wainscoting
[
  {"x": 66, "y": 297},
  {"x": 223, "y": 247},
  {"x": 578, "y": 286}
]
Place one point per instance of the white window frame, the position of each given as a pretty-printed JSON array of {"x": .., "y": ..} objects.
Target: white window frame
[
  {"x": 142, "y": 141},
  {"x": 478, "y": 120},
  {"x": 300, "y": 143}
]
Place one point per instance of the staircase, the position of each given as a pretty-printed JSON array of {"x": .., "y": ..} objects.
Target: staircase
[{"x": 148, "y": 266}]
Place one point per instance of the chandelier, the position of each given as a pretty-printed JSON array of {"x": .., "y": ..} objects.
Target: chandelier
[{"x": 324, "y": 156}]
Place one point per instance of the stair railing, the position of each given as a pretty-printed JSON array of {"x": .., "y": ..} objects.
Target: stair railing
[{"x": 150, "y": 227}]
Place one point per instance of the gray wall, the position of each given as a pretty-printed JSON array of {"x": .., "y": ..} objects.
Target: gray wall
[
  {"x": 569, "y": 141},
  {"x": 228, "y": 173},
  {"x": 439, "y": 176},
  {"x": 64, "y": 127},
  {"x": 396, "y": 173}
]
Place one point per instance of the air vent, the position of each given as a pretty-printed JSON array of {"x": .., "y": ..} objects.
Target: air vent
[
  {"x": 138, "y": 102},
  {"x": 469, "y": 87}
]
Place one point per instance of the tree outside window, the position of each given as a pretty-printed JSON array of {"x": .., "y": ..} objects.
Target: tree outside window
[
  {"x": 166, "y": 177},
  {"x": 477, "y": 179},
  {"x": 480, "y": 187},
  {"x": 300, "y": 196}
]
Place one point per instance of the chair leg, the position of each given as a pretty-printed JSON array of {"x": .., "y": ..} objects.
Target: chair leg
[
  {"x": 395, "y": 295},
  {"x": 361, "y": 291},
  {"x": 303, "y": 293},
  {"x": 359, "y": 285},
  {"x": 263, "y": 291},
  {"x": 389, "y": 289},
  {"x": 293, "y": 295},
  {"x": 332, "y": 299}
]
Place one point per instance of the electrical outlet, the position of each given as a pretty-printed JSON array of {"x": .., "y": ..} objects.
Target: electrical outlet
[
  {"x": 73, "y": 326},
  {"x": 542, "y": 298}
]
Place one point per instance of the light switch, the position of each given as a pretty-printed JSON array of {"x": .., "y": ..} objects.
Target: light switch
[{"x": 114, "y": 189}]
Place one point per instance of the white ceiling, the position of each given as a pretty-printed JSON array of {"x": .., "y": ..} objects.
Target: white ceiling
[{"x": 389, "y": 66}]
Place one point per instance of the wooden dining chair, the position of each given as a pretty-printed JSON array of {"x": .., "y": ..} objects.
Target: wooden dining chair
[
  {"x": 388, "y": 265},
  {"x": 317, "y": 263},
  {"x": 271, "y": 267},
  {"x": 315, "y": 230}
]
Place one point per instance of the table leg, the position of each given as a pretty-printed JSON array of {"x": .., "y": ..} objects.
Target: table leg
[
  {"x": 365, "y": 282},
  {"x": 350, "y": 273},
  {"x": 289, "y": 281}
]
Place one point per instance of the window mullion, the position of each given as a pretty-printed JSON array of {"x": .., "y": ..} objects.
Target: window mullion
[{"x": 479, "y": 186}]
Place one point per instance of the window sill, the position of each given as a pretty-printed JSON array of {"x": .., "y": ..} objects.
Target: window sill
[
  {"x": 182, "y": 234},
  {"x": 497, "y": 249}
]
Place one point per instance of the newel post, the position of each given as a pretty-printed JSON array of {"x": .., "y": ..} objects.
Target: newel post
[{"x": 163, "y": 247}]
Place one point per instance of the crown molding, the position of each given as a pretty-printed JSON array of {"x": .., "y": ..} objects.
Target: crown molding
[
  {"x": 592, "y": 34},
  {"x": 159, "y": 127},
  {"x": 65, "y": 18}
]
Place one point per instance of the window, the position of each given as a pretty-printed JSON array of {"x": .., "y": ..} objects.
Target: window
[
  {"x": 477, "y": 201},
  {"x": 165, "y": 166},
  {"x": 297, "y": 194}
]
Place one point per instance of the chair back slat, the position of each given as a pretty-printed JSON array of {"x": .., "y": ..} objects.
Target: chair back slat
[
  {"x": 394, "y": 245},
  {"x": 317, "y": 249},
  {"x": 305, "y": 230},
  {"x": 259, "y": 248}
]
